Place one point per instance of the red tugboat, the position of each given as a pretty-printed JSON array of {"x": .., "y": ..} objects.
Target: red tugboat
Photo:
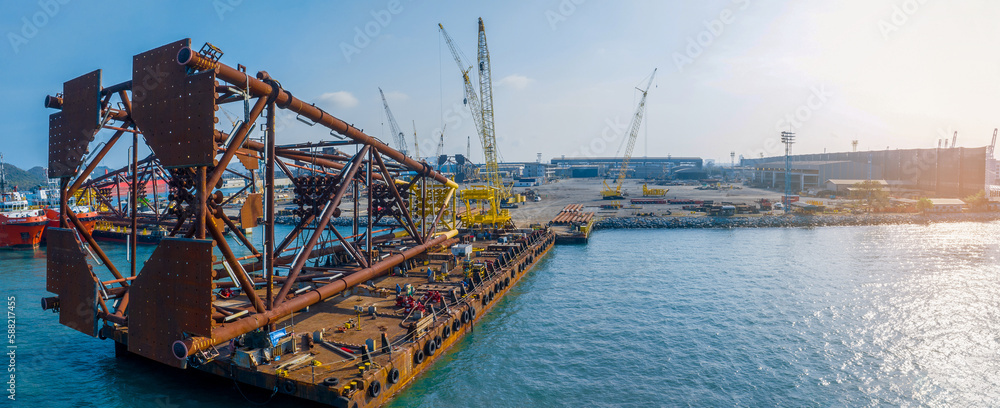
[
  {"x": 86, "y": 215},
  {"x": 20, "y": 227}
]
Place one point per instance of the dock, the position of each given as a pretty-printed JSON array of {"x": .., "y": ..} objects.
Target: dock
[{"x": 572, "y": 225}]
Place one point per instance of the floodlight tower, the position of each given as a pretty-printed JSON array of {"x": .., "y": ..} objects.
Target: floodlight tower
[
  {"x": 732, "y": 164},
  {"x": 788, "y": 138}
]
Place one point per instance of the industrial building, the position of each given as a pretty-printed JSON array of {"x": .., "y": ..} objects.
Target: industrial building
[
  {"x": 526, "y": 174},
  {"x": 948, "y": 172},
  {"x": 639, "y": 167},
  {"x": 539, "y": 170}
]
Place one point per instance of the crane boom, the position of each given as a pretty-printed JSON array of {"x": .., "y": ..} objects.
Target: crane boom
[
  {"x": 440, "y": 147},
  {"x": 397, "y": 134},
  {"x": 488, "y": 133},
  {"x": 616, "y": 193},
  {"x": 471, "y": 96},
  {"x": 990, "y": 149},
  {"x": 416, "y": 146}
]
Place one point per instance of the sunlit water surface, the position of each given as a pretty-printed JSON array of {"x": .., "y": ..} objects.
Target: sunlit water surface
[{"x": 836, "y": 316}]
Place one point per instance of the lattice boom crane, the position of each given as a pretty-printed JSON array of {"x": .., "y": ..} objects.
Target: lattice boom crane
[
  {"x": 481, "y": 105},
  {"x": 397, "y": 134},
  {"x": 488, "y": 134},
  {"x": 616, "y": 193}
]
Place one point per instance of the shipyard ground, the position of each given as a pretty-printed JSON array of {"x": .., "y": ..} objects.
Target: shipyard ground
[
  {"x": 558, "y": 194},
  {"x": 587, "y": 191}
]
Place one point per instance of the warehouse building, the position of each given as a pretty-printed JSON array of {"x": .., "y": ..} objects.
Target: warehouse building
[{"x": 951, "y": 172}]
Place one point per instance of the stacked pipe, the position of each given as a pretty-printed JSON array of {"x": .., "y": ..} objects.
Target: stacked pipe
[{"x": 572, "y": 214}]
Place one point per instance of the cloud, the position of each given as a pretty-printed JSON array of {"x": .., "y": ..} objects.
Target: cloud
[
  {"x": 516, "y": 81},
  {"x": 338, "y": 100}
]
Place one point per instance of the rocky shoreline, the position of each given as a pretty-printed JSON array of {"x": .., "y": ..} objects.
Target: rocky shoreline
[{"x": 786, "y": 221}]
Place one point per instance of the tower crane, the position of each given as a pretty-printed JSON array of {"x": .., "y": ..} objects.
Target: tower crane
[
  {"x": 616, "y": 193},
  {"x": 397, "y": 134}
]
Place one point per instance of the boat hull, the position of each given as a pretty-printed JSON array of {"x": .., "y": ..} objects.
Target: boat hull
[
  {"x": 21, "y": 232},
  {"x": 88, "y": 219}
]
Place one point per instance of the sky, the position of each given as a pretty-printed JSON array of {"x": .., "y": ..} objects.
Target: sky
[{"x": 731, "y": 75}]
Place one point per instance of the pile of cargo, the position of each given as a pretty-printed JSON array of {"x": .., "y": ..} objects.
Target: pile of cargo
[
  {"x": 712, "y": 208},
  {"x": 572, "y": 214}
]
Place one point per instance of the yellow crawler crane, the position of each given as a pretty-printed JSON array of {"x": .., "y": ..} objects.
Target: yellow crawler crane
[
  {"x": 616, "y": 193},
  {"x": 486, "y": 197}
]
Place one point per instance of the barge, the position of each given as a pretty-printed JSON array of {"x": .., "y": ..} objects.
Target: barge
[{"x": 336, "y": 315}]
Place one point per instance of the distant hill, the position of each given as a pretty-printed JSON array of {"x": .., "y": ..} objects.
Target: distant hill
[
  {"x": 39, "y": 171},
  {"x": 24, "y": 180}
]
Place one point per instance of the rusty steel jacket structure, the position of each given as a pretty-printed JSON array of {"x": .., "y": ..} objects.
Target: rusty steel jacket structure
[{"x": 163, "y": 309}]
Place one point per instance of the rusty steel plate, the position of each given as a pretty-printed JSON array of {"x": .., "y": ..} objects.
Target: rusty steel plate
[
  {"x": 248, "y": 162},
  {"x": 171, "y": 297},
  {"x": 251, "y": 210},
  {"x": 69, "y": 276},
  {"x": 72, "y": 130},
  {"x": 174, "y": 110}
]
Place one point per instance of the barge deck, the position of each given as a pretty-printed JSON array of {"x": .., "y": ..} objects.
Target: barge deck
[{"x": 361, "y": 348}]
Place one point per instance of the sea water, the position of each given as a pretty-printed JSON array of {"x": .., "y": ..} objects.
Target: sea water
[{"x": 831, "y": 316}]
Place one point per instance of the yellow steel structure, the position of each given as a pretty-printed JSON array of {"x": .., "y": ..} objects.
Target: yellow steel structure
[
  {"x": 424, "y": 207},
  {"x": 616, "y": 193},
  {"x": 491, "y": 216},
  {"x": 87, "y": 196},
  {"x": 653, "y": 192}
]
